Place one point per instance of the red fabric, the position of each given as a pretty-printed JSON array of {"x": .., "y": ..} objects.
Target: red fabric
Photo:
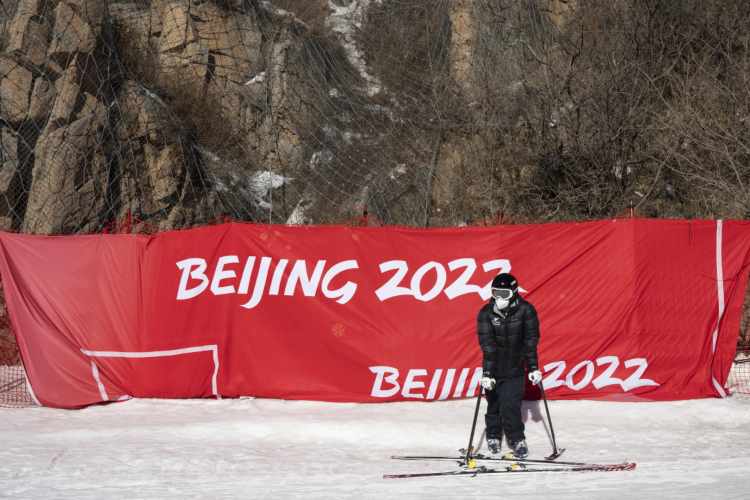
[{"x": 628, "y": 310}]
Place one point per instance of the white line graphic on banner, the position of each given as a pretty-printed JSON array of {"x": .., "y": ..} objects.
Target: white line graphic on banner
[
  {"x": 720, "y": 298},
  {"x": 213, "y": 348},
  {"x": 31, "y": 389}
]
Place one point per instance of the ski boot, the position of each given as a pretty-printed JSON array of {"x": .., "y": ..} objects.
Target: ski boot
[
  {"x": 494, "y": 445},
  {"x": 520, "y": 450}
]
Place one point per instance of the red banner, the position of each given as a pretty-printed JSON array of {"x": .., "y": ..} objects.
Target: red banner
[{"x": 629, "y": 310}]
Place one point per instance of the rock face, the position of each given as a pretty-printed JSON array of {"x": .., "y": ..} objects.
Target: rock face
[
  {"x": 177, "y": 112},
  {"x": 146, "y": 111}
]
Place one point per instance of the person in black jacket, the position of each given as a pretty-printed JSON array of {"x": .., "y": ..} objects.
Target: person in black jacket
[{"x": 508, "y": 329}]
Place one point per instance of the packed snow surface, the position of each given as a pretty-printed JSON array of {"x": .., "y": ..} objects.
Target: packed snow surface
[{"x": 253, "y": 448}]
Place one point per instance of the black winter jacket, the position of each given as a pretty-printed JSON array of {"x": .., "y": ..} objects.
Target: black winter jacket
[{"x": 508, "y": 341}]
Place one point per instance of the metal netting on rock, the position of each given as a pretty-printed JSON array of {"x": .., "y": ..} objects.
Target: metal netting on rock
[
  {"x": 175, "y": 113},
  {"x": 739, "y": 377}
]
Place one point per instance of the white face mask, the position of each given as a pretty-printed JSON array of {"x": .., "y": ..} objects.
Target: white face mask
[{"x": 501, "y": 303}]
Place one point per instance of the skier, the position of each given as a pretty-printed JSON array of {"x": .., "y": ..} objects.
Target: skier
[{"x": 508, "y": 330}]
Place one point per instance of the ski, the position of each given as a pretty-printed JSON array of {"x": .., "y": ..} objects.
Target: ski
[
  {"x": 511, "y": 470},
  {"x": 550, "y": 458},
  {"x": 481, "y": 457}
]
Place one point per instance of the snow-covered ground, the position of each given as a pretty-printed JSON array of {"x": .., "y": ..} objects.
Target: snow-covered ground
[{"x": 253, "y": 448}]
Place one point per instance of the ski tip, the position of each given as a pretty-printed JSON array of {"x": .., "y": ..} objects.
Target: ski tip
[{"x": 625, "y": 466}]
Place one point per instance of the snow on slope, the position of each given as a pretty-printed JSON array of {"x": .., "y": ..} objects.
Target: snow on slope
[
  {"x": 252, "y": 448},
  {"x": 346, "y": 20}
]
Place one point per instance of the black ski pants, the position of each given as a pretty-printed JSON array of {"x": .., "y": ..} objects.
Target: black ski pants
[{"x": 504, "y": 409}]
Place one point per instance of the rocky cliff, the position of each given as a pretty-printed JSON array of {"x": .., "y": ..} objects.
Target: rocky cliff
[{"x": 173, "y": 113}]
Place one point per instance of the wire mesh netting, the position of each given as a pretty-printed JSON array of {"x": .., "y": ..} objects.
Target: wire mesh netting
[
  {"x": 14, "y": 391},
  {"x": 739, "y": 377},
  {"x": 148, "y": 115}
]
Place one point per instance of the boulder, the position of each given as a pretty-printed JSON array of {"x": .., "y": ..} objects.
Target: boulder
[
  {"x": 42, "y": 99},
  {"x": 166, "y": 169},
  {"x": 67, "y": 90},
  {"x": 27, "y": 37},
  {"x": 178, "y": 30},
  {"x": 92, "y": 106},
  {"x": 234, "y": 40},
  {"x": 185, "y": 69},
  {"x": 68, "y": 165},
  {"x": 15, "y": 86},
  {"x": 142, "y": 114},
  {"x": 71, "y": 33},
  {"x": 136, "y": 27},
  {"x": 91, "y": 11},
  {"x": 183, "y": 62}
]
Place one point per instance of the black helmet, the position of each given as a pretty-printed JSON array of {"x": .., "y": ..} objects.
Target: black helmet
[{"x": 502, "y": 283}]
